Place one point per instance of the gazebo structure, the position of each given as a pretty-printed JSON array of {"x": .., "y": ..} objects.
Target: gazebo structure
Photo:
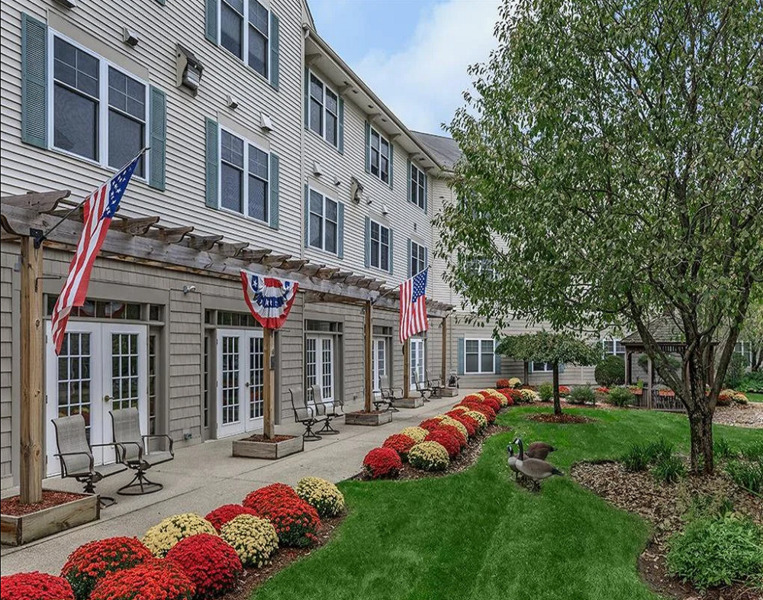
[{"x": 670, "y": 339}]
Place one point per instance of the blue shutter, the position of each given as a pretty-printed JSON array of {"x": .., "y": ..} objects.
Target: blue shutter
[
  {"x": 408, "y": 268},
  {"x": 210, "y": 24},
  {"x": 497, "y": 359},
  {"x": 391, "y": 255},
  {"x": 307, "y": 215},
  {"x": 367, "y": 244},
  {"x": 274, "y": 50},
  {"x": 368, "y": 147},
  {"x": 34, "y": 81},
  {"x": 460, "y": 356},
  {"x": 408, "y": 171},
  {"x": 340, "y": 126},
  {"x": 273, "y": 208},
  {"x": 213, "y": 164},
  {"x": 158, "y": 135},
  {"x": 307, "y": 97},
  {"x": 340, "y": 230},
  {"x": 391, "y": 163}
]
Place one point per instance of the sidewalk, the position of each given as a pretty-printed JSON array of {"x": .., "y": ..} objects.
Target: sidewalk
[{"x": 205, "y": 476}]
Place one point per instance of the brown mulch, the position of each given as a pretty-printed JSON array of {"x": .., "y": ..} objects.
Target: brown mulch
[
  {"x": 255, "y": 577},
  {"x": 258, "y": 437},
  {"x": 564, "y": 418},
  {"x": 663, "y": 506},
  {"x": 740, "y": 415},
  {"x": 12, "y": 506}
]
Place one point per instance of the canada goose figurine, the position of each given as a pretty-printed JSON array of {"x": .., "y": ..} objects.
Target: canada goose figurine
[
  {"x": 539, "y": 450},
  {"x": 534, "y": 469},
  {"x": 512, "y": 460}
]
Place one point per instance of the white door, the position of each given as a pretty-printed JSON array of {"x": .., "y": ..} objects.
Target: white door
[
  {"x": 319, "y": 362},
  {"x": 101, "y": 367},
  {"x": 239, "y": 381},
  {"x": 379, "y": 364},
  {"x": 417, "y": 360}
]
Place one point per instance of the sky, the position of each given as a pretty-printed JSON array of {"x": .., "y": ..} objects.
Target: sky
[{"x": 412, "y": 53}]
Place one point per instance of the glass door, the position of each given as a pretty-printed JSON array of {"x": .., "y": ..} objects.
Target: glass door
[
  {"x": 417, "y": 360},
  {"x": 240, "y": 383},
  {"x": 319, "y": 365},
  {"x": 379, "y": 364},
  {"x": 255, "y": 382}
]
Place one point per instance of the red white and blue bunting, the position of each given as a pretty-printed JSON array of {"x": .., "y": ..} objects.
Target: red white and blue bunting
[{"x": 269, "y": 298}]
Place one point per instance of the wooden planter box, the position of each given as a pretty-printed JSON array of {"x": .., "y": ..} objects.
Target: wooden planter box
[
  {"x": 416, "y": 402},
  {"x": 15, "y": 531},
  {"x": 271, "y": 450},
  {"x": 371, "y": 419},
  {"x": 449, "y": 392}
]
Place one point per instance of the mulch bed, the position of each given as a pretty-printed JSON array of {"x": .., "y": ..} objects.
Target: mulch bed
[
  {"x": 12, "y": 506},
  {"x": 563, "y": 419},
  {"x": 740, "y": 415},
  {"x": 258, "y": 437},
  {"x": 663, "y": 505}
]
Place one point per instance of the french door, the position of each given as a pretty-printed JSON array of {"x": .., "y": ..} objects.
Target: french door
[
  {"x": 240, "y": 382},
  {"x": 319, "y": 364},
  {"x": 101, "y": 367},
  {"x": 417, "y": 360},
  {"x": 379, "y": 361}
]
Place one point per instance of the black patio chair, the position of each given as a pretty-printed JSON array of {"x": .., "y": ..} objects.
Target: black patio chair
[
  {"x": 435, "y": 384},
  {"x": 387, "y": 395},
  {"x": 421, "y": 387},
  {"x": 303, "y": 414},
  {"x": 328, "y": 410}
]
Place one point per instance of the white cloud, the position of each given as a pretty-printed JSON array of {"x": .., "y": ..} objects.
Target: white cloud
[{"x": 422, "y": 83}]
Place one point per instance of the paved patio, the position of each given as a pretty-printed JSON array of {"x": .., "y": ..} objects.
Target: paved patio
[{"x": 205, "y": 476}]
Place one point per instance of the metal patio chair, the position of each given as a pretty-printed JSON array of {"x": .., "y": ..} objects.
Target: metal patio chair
[
  {"x": 303, "y": 414},
  {"x": 328, "y": 410},
  {"x": 76, "y": 456},
  {"x": 435, "y": 384},
  {"x": 388, "y": 395},
  {"x": 133, "y": 451},
  {"x": 421, "y": 387}
]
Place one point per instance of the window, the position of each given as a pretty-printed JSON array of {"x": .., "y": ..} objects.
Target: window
[
  {"x": 613, "y": 346},
  {"x": 745, "y": 349},
  {"x": 380, "y": 246},
  {"x": 541, "y": 367},
  {"x": 243, "y": 177},
  {"x": 153, "y": 370},
  {"x": 323, "y": 222},
  {"x": 418, "y": 258},
  {"x": 99, "y": 112},
  {"x": 379, "y": 155},
  {"x": 324, "y": 111},
  {"x": 100, "y": 309},
  {"x": 482, "y": 267},
  {"x": 418, "y": 187},
  {"x": 244, "y": 32},
  {"x": 479, "y": 356}
]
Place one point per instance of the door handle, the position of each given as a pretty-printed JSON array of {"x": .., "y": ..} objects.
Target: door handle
[{"x": 107, "y": 398}]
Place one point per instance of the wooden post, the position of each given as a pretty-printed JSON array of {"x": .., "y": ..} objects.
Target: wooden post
[
  {"x": 368, "y": 356},
  {"x": 32, "y": 399},
  {"x": 649, "y": 384},
  {"x": 526, "y": 373},
  {"x": 268, "y": 408},
  {"x": 406, "y": 368},
  {"x": 444, "y": 380}
]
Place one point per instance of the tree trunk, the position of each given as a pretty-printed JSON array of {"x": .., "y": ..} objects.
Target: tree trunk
[
  {"x": 557, "y": 399},
  {"x": 701, "y": 424}
]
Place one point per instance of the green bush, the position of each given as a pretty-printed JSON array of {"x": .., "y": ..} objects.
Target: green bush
[
  {"x": 720, "y": 551},
  {"x": 735, "y": 371},
  {"x": 581, "y": 394},
  {"x": 620, "y": 396},
  {"x": 610, "y": 371},
  {"x": 668, "y": 469},
  {"x": 747, "y": 474},
  {"x": 659, "y": 450},
  {"x": 722, "y": 448},
  {"x": 546, "y": 391},
  {"x": 635, "y": 459},
  {"x": 752, "y": 382},
  {"x": 753, "y": 451}
]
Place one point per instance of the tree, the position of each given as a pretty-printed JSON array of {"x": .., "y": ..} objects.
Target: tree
[
  {"x": 612, "y": 168},
  {"x": 554, "y": 348},
  {"x": 752, "y": 334}
]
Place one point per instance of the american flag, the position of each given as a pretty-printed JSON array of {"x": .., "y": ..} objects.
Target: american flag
[
  {"x": 99, "y": 208},
  {"x": 413, "y": 305}
]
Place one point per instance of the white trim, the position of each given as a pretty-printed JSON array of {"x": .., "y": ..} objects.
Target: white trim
[
  {"x": 325, "y": 197},
  {"x": 370, "y": 246},
  {"x": 245, "y": 38},
  {"x": 371, "y": 131},
  {"x": 413, "y": 343},
  {"x": 424, "y": 197},
  {"x": 322, "y": 134},
  {"x": 245, "y": 183},
  {"x": 479, "y": 370}
]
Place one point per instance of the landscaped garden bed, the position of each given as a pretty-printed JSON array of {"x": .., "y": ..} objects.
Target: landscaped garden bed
[
  {"x": 371, "y": 419},
  {"x": 258, "y": 446},
  {"x": 564, "y": 418}
]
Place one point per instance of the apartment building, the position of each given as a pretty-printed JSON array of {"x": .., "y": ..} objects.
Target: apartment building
[{"x": 258, "y": 132}]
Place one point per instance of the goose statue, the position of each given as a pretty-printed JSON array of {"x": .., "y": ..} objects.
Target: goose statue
[
  {"x": 539, "y": 450},
  {"x": 512, "y": 460},
  {"x": 535, "y": 469}
]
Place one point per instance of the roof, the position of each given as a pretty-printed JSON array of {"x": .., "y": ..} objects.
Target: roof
[
  {"x": 663, "y": 330},
  {"x": 445, "y": 150}
]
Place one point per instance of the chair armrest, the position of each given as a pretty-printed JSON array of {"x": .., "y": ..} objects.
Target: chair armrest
[
  {"x": 120, "y": 447},
  {"x": 61, "y": 455},
  {"x": 161, "y": 435}
]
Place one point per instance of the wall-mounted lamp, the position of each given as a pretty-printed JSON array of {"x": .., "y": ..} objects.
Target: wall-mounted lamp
[
  {"x": 265, "y": 122},
  {"x": 337, "y": 181},
  {"x": 129, "y": 37},
  {"x": 317, "y": 169},
  {"x": 356, "y": 190},
  {"x": 231, "y": 102},
  {"x": 187, "y": 289},
  {"x": 189, "y": 70},
  {"x": 385, "y": 211}
]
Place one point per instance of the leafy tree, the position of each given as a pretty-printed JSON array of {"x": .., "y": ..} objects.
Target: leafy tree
[
  {"x": 554, "y": 348},
  {"x": 612, "y": 162},
  {"x": 610, "y": 371},
  {"x": 752, "y": 333}
]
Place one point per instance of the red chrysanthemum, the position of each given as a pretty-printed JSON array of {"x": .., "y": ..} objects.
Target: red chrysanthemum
[
  {"x": 381, "y": 463},
  {"x": 273, "y": 493},
  {"x": 446, "y": 440},
  {"x": 473, "y": 398},
  {"x": 492, "y": 403},
  {"x": 94, "y": 560},
  {"x": 507, "y": 393},
  {"x": 465, "y": 420},
  {"x": 483, "y": 408},
  {"x": 456, "y": 433},
  {"x": 152, "y": 580},
  {"x": 430, "y": 424},
  {"x": 222, "y": 514},
  {"x": 35, "y": 586},
  {"x": 502, "y": 383},
  {"x": 400, "y": 444},
  {"x": 209, "y": 562},
  {"x": 295, "y": 521}
]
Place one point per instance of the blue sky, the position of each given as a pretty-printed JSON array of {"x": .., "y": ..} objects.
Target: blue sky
[{"x": 412, "y": 53}]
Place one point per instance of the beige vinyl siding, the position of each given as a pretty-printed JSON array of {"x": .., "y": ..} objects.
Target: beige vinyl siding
[{"x": 440, "y": 194}]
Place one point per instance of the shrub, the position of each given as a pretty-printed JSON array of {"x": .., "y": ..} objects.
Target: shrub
[
  {"x": 94, "y": 560},
  {"x": 503, "y": 383},
  {"x": 446, "y": 440},
  {"x": 460, "y": 436},
  {"x": 747, "y": 474},
  {"x": 753, "y": 451},
  {"x": 564, "y": 390},
  {"x": 479, "y": 417},
  {"x": 151, "y": 580},
  {"x": 429, "y": 456},
  {"x": 417, "y": 433},
  {"x": 546, "y": 391},
  {"x": 473, "y": 398},
  {"x": 725, "y": 397},
  {"x": 717, "y": 551},
  {"x": 483, "y": 409},
  {"x": 468, "y": 423},
  {"x": 620, "y": 396},
  {"x": 739, "y": 398},
  {"x": 529, "y": 396},
  {"x": 582, "y": 394},
  {"x": 270, "y": 494},
  {"x": 752, "y": 382},
  {"x": 163, "y": 536},
  {"x": 381, "y": 463},
  {"x": 211, "y": 564},
  {"x": 401, "y": 444},
  {"x": 322, "y": 495},
  {"x": 610, "y": 371},
  {"x": 222, "y": 514},
  {"x": 722, "y": 448},
  {"x": 635, "y": 459},
  {"x": 514, "y": 396},
  {"x": 460, "y": 408},
  {"x": 254, "y": 539},
  {"x": 515, "y": 382},
  {"x": 735, "y": 370},
  {"x": 659, "y": 450},
  {"x": 430, "y": 424},
  {"x": 668, "y": 469},
  {"x": 508, "y": 399},
  {"x": 296, "y": 522},
  {"x": 492, "y": 403},
  {"x": 34, "y": 586}
]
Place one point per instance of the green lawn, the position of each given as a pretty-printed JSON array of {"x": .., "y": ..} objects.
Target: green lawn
[
  {"x": 476, "y": 535},
  {"x": 754, "y": 397}
]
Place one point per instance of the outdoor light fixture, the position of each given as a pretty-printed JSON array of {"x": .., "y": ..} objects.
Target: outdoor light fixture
[
  {"x": 356, "y": 190},
  {"x": 265, "y": 122},
  {"x": 317, "y": 169},
  {"x": 187, "y": 289},
  {"x": 385, "y": 210},
  {"x": 67, "y": 3},
  {"x": 129, "y": 37},
  {"x": 189, "y": 70},
  {"x": 231, "y": 102}
]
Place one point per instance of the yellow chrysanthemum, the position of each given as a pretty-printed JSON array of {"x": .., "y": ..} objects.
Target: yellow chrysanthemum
[
  {"x": 479, "y": 417},
  {"x": 429, "y": 456},
  {"x": 164, "y": 535},
  {"x": 417, "y": 434},
  {"x": 254, "y": 539},
  {"x": 322, "y": 495}
]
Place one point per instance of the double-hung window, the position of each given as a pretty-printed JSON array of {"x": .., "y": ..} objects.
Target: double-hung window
[
  {"x": 418, "y": 194},
  {"x": 380, "y": 246},
  {"x": 542, "y": 367},
  {"x": 479, "y": 356},
  {"x": 613, "y": 346},
  {"x": 324, "y": 111},
  {"x": 244, "y": 177},
  {"x": 244, "y": 32},
  {"x": 418, "y": 258},
  {"x": 379, "y": 155},
  {"x": 323, "y": 222},
  {"x": 99, "y": 111}
]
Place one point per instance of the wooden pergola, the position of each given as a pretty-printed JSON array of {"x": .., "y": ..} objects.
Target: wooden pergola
[{"x": 145, "y": 241}]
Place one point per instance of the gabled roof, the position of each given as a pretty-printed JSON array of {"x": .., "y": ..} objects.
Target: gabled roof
[
  {"x": 444, "y": 149},
  {"x": 663, "y": 330}
]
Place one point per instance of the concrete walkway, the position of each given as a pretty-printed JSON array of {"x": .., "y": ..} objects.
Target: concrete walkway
[{"x": 203, "y": 477}]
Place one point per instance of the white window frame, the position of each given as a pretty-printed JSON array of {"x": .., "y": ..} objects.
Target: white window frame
[
  {"x": 480, "y": 354},
  {"x": 103, "y": 106},
  {"x": 245, "y": 40},
  {"x": 379, "y": 253},
  {"x": 371, "y": 132},
  {"x": 324, "y": 109},
  {"x": 616, "y": 342},
  {"x": 418, "y": 193},
  {"x": 421, "y": 256},
  {"x": 547, "y": 367},
  {"x": 245, "y": 183},
  {"x": 326, "y": 198}
]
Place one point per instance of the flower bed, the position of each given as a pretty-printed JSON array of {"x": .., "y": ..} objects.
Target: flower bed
[
  {"x": 382, "y": 463},
  {"x": 322, "y": 495},
  {"x": 162, "y": 537},
  {"x": 417, "y": 433},
  {"x": 401, "y": 444},
  {"x": 211, "y": 564},
  {"x": 269, "y": 495},
  {"x": 295, "y": 521},
  {"x": 429, "y": 456},
  {"x": 222, "y": 514},
  {"x": 151, "y": 580},
  {"x": 255, "y": 540},
  {"x": 447, "y": 441}
]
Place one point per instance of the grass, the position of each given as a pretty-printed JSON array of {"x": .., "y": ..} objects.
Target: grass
[
  {"x": 477, "y": 535},
  {"x": 754, "y": 397}
]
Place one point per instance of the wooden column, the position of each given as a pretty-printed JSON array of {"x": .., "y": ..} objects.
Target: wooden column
[
  {"x": 628, "y": 374},
  {"x": 32, "y": 355},
  {"x": 268, "y": 405},
  {"x": 406, "y": 368},
  {"x": 368, "y": 336},
  {"x": 444, "y": 381}
]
